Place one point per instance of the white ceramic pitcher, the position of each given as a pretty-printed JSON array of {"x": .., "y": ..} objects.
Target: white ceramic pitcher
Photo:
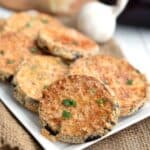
[{"x": 98, "y": 20}]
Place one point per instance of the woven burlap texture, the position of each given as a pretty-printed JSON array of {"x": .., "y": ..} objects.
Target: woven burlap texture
[
  {"x": 12, "y": 133},
  {"x": 14, "y": 136},
  {"x": 136, "y": 137}
]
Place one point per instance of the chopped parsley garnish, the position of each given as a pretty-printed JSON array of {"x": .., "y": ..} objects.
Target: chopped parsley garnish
[
  {"x": 1, "y": 52},
  {"x": 92, "y": 90},
  {"x": 66, "y": 114},
  {"x": 28, "y": 24},
  {"x": 75, "y": 43},
  {"x": 137, "y": 71},
  {"x": 33, "y": 49},
  {"x": 129, "y": 82},
  {"x": 69, "y": 102},
  {"x": 101, "y": 101},
  {"x": 45, "y": 87},
  {"x": 45, "y": 21},
  {"x": 9, "y": 61}
]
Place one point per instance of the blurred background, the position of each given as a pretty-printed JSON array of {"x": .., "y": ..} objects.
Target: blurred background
[{"x": 137, "y": 12}]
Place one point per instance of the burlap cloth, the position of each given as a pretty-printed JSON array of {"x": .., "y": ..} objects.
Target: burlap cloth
[{"x": 14, "y": 136}]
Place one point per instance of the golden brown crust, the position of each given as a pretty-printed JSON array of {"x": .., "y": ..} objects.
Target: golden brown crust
[
  {"x": 129, "y": 85},
  {"x": 88, "y": 118},
  {"x": 30, "y": 23},
  {"x": 2, "y": 24},
  {"x": 14, "y": 47},
  {"x": 34, "y": 75},
  {"x": 26, "y": 101},
  {"x": 66, "y": 43}
]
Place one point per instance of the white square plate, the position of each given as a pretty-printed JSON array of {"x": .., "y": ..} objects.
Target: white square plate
[{"x": 133, "y": 50}]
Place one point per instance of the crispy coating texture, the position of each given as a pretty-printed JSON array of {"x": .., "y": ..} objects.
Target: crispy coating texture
[
  {"x": 66, "y": 43},
  {"x": 34, "y": 75},
  {"x": 14, "y": 47},
  {"x": 129, "y": 85},
  {"x": 2, "y": 24},
  {"x": 30, "y": 23},
  {"x": 89, "y": 119}
]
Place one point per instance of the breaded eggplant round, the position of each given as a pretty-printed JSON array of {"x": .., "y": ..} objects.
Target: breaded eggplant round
[
  {"x": 14, "y": 47},
  {"x": 30, "y": 23},
  {"x": 77, "y": 109},
  {"x": 66, "y": 43},
  {"x": 129, "y": 85},
  {"x": 35, "y": 74}
]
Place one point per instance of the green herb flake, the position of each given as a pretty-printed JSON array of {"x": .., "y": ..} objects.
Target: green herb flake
[
  {"x": 45, "y": 87},
  {"x": 28, "y": 25},
  {"x": 9, "y": 61},
  {"x": 138, "y": 71},
  {"x": 45, "y": 21},
  {"x": 1, "y": 52},
  {"x": 129, "y": 82},
  {"x": 33, "y": 49},
  {"x": 69, "y": 102},
  {"x": 92, "y": 90},
  {"x": 75, "y": 43},
  {"x": 66, "y": 114},
  {"x": 101, "y": 101}
]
